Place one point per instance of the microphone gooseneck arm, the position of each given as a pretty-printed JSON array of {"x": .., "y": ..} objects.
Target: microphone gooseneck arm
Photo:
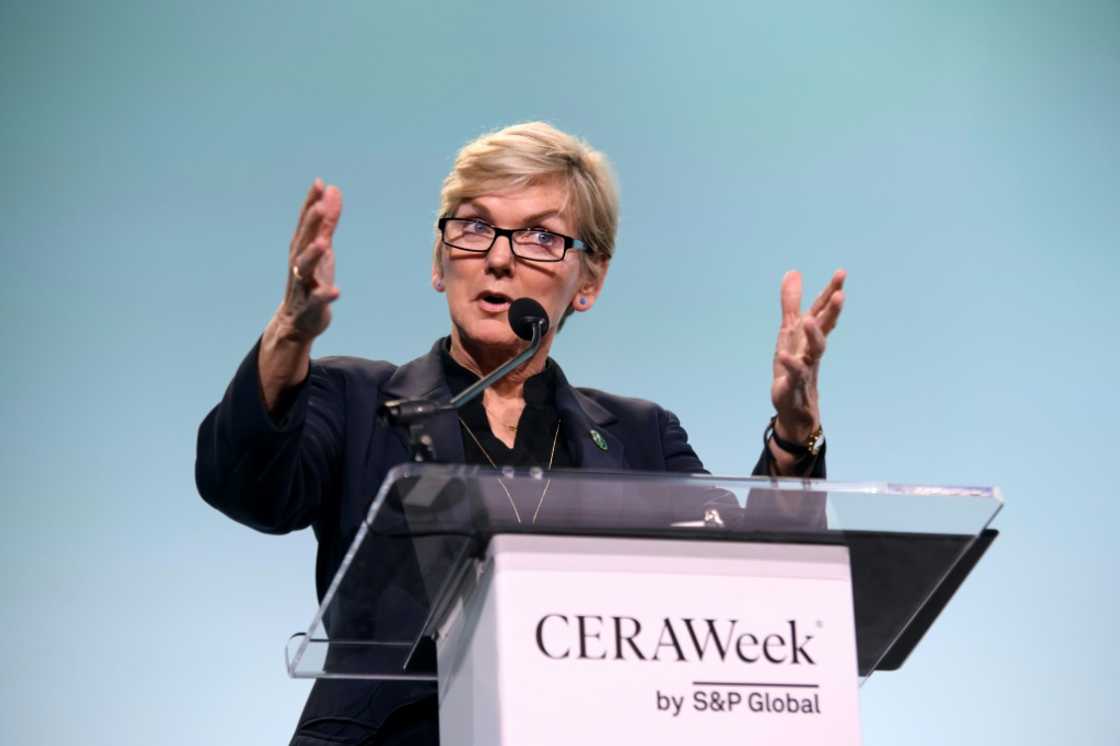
[{"x": 495, "y": 375}]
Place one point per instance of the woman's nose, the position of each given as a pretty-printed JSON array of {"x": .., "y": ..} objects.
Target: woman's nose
[{"x": 500, "y": 257}]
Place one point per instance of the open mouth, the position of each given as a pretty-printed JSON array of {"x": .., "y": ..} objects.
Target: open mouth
[{"x": 494, "y": 301}]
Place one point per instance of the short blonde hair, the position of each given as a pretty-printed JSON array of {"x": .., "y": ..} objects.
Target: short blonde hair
[{"x": 524, "y": 154}]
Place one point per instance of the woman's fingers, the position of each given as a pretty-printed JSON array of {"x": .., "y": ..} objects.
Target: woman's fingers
[
  {"x": 312, "y": 197},
  {"x": 831, "y": 314},
  {"x": 307, "y": 265},
  {"x": 324, "y": 268},
  {"x": 804, "y": 342},
  {"x": 331, "y": 203},
  {"x": 317, "y": 227},
  {"x": 835, "y": 285},
  {"x": 314, "y": 272},
  {"x": 791, "y": 297},
  {"x": 307, "y": 232},
  {"x": 814, "y": 341},
  {"x": 318, "y": 218}
]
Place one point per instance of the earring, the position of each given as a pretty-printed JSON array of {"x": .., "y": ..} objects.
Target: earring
[
  {"x": 439, "y": 286},
  {"x": 582, "y": 300}
]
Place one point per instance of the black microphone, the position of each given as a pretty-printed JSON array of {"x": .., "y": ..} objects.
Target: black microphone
[{"x": 524, "y": 314}]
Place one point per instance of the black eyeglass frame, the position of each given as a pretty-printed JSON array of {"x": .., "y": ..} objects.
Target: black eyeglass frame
[{"x": 573, "y": 244}]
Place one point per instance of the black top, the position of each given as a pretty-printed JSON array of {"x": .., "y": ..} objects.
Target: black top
[{"x": 537, "y": 430}]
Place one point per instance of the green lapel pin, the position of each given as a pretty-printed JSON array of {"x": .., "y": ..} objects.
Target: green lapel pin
[{"x": 599, "y": 440}]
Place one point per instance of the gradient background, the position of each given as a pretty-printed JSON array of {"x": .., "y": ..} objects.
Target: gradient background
[{"x": 960, "y": 159}]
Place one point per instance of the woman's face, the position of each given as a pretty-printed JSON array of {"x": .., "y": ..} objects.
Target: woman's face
[{"x": 480, "y": 287}]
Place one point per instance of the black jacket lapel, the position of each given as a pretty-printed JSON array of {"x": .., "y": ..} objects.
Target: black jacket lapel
[
  {"x": 585, "y": 426},
  {"x": 423, "y": 379}
]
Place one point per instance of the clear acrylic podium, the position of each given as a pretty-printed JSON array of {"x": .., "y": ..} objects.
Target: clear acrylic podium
[{"x": 429, "y": 538}]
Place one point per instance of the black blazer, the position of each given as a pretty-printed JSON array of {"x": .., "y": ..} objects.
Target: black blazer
[{"x": 321, "y": 464}]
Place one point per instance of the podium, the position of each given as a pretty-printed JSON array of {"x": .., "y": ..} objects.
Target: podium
[{"x": 602, "y": 606}]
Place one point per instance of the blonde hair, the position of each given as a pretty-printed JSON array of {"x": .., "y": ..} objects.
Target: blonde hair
[{"x": 524, "y": 154}]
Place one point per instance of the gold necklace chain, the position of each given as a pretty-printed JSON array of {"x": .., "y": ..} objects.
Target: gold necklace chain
[
  {"x": 509, "y": 495},
  {"x": 507, "y": 426}
]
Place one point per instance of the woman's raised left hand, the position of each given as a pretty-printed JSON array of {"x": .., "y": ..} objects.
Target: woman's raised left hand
[{"x": 797, "y": 358}]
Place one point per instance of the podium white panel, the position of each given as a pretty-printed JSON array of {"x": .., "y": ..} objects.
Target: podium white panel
[{"x": 560, "y": 640}]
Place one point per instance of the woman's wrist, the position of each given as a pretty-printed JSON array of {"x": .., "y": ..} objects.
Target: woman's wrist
[
  {"x": 283, "y": 360},
  {"x": 792, "y": 458},
  {"x": 796, "y": 429}
]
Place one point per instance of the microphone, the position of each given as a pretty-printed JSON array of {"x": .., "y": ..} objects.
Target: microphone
[
  {"x": 524, "y": 313},
  {"x": 528, "y": 320}
]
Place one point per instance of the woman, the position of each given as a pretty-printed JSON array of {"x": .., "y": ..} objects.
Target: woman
[{"x": 528, "y": 211}]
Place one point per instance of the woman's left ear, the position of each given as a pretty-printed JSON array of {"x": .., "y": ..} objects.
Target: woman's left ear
[{"x": 589, "y": 292}]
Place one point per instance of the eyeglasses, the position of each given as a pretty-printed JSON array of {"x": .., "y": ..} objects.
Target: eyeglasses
[{"x": 534, "y": 244}]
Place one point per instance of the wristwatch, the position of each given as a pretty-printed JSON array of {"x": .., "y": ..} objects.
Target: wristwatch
[{"x": 811, "y": 447}]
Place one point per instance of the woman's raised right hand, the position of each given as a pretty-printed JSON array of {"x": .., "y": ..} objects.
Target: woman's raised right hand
[
  {"x": 306, "y": 309},
  {"x": 305, "y": 312}
]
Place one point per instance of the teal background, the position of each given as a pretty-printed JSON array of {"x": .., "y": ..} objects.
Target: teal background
[{"x": 960, "y": 159}]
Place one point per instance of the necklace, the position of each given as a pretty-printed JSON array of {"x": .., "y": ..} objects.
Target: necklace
[
  {"x": 507, "y": 426},
  {"x": 509, "y": 495}
]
